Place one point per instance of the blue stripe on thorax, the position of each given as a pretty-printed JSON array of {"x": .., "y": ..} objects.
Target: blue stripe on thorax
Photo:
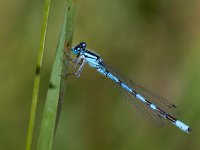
[{"x": 90, "y": 54}]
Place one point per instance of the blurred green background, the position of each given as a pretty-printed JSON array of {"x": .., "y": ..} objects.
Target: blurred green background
[{"x": 155, "y": 42}]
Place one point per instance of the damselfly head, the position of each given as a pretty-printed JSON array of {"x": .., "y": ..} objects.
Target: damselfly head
[{"x": 78, "y": 48}]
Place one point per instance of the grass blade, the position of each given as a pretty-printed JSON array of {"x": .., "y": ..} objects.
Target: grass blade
[
  {"x": 71, "y": 9},
  {"x": 47, "y": 127},
  {"x": 55, "y": 93},
  {"x": 37, "y": 76}
]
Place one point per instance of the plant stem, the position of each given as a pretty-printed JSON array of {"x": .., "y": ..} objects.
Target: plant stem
[{"x": 37, "y": 76}]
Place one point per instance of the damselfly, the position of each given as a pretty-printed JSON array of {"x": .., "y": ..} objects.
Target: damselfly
[{"x": 147, "y": 103}]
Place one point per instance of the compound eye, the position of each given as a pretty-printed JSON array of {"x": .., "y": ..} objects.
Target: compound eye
[
  {"x": 83, "y": 44},
  {"x": 75, "y": 51}
]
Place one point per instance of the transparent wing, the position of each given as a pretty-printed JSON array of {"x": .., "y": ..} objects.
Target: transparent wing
[
  {"x": 142, "y": 109},
  {"x": 160, "y": 101}
]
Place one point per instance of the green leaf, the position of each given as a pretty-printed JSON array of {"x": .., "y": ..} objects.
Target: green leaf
[
  {"x": 37, "y": 76},
  {"x": 56, "y": 89}
]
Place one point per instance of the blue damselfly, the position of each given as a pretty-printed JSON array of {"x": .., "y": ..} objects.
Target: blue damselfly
[{"x": 147, "y": 103}]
